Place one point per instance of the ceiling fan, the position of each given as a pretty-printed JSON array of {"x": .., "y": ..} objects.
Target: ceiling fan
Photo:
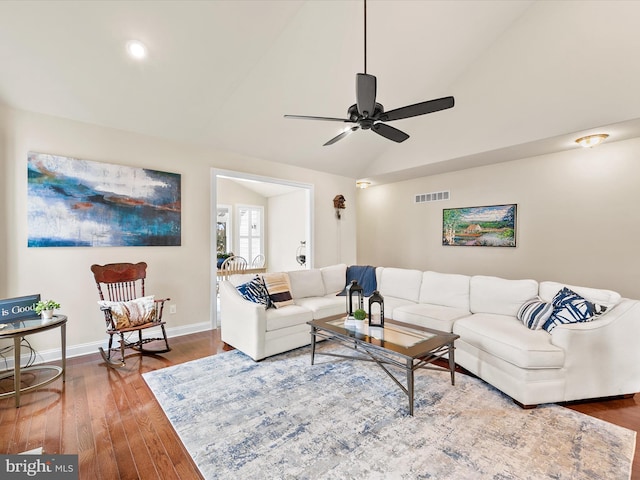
[{"x": 367, "y": 114}]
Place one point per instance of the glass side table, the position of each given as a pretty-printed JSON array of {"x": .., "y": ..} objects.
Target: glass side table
[{"x": 20, "y": 328}]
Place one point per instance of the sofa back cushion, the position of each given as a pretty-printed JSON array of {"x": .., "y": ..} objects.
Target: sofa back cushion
[
  {"x": 306, "y": 283},
  {"x": 609, "y": 298},
  {"x": 334, "y": 278},
  {"x": 446, "y": 289},
  {"x": 500, "y": 295},
  {"x": 400, "y": 283},
  {"x": 239, "y": 278}
]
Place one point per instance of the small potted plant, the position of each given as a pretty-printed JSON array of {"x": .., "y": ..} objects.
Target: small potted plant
[
  {"x": 46, "y": 308},
  {"x": 359, "y": 316},
  {"x": 222, "y": 257}
]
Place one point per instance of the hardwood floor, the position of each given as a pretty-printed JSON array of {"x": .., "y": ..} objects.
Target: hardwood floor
[
  {"x": 111, "y": 420},
  {"x": 107, "y": 416}
]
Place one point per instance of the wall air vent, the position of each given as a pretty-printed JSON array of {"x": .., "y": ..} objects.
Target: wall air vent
[{"x": 432, "y": 197}]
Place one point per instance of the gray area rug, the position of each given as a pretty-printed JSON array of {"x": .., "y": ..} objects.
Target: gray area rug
[{"x": 341, "y": 419}]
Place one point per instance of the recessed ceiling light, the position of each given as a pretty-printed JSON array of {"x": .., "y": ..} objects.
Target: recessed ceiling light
[
  {"x": 363, "y": 184},
  {"x": 592, "y": 140},
  {"x": 137, "y": 49}
]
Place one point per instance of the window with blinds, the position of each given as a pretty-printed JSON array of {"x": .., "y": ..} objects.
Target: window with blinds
[{"x": 250, "y": 232}]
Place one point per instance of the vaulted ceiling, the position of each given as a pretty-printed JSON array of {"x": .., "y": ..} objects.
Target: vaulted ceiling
[{"x": 528, "y": 76}]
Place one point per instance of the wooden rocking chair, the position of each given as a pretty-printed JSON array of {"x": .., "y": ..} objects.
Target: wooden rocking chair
[{"x": 124, "y": 287}]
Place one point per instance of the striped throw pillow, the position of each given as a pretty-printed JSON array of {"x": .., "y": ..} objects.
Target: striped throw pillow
[
  {"x": 569, "y": 307},
  {"x": 279, "y": 289},
  {"x": 255, "y": 291},
  {"x": 534, "y": 313}
]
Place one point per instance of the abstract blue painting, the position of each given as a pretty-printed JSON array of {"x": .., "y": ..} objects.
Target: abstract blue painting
[{"x": 80, "y": 203}]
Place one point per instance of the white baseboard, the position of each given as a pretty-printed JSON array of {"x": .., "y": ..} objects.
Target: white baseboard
[{"x": 54, "y": 354}]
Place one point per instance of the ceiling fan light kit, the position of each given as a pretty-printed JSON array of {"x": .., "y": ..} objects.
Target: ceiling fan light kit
[{"x": 367, "y": 114}]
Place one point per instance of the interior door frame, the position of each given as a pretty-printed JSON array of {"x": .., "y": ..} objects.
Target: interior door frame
[{"x": 218, "y": 172}]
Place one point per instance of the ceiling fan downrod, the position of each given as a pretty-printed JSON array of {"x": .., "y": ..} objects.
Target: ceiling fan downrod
[{"x": 365, "y": 37}]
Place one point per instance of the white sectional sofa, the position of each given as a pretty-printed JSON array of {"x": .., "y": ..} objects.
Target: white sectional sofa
[{"x": 594, "y": 359}]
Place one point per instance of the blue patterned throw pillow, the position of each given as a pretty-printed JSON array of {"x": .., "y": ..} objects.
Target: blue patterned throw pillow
[
  {"x": 255, "y": 291},
  {"x": 569, "y": 307},
  {"x": 534, "y": 313}
]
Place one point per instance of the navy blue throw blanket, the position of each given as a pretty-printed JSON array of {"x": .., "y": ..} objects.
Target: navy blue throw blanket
[{"x": 365, "y": 275}]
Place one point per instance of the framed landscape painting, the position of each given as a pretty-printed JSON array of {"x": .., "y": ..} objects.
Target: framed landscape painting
[
  {"x": 491, "y": 226},
  {"x": 79, "y": 203}
]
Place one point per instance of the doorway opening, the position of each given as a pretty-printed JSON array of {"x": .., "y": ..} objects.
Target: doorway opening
[{"x": 281, "y": 214}]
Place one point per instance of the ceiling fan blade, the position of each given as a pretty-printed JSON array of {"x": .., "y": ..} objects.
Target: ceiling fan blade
[
  {"x": 341, "y": 136},
  {"x": 366, "y": 94},
  {"x": 326, "y": 119},
  {"x": 390, "y": 132},
  {"x": 423, "y": 108}
]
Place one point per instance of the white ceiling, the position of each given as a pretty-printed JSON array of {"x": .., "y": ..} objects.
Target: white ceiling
[
  {"x": 528, "y": 76},
  {"x": 265, "y": 188}
]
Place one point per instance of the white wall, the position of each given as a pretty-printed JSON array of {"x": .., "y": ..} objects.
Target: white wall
[
  {"x": 5, "y": 199},
  {"x": 286, "y": 228},
  {"x": 577, "y": 223},
  {"x": 183, "y": 273}
]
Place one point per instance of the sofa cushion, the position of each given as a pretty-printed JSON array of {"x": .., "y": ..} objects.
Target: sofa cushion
[
  {"x": 239, "y": 278},
  {"x": 534, "y": 313},
  {"x": 323, "y": 307},
  {"x": 255, "y": 291},
  {"x": 390, "y": 305},
  {"x": 569, "y": 307},
  {"x": 334, "y": 278},
  {"x": 447, "y": 289},
  {"x": 437, "y": 317},
  {"x": 608, "y": 298},
  {"x": 499, "y": 295},
  {"x": 505, "y": 337},
  {"x": 288, "y": 316},
  {"x": 306, "y": 283},
  {"x": 279, "y": 289},
  {"x": 400, "y": 283}
]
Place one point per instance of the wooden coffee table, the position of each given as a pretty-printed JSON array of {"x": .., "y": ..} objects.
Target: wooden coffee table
[{"x": 407, "y": 347}]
